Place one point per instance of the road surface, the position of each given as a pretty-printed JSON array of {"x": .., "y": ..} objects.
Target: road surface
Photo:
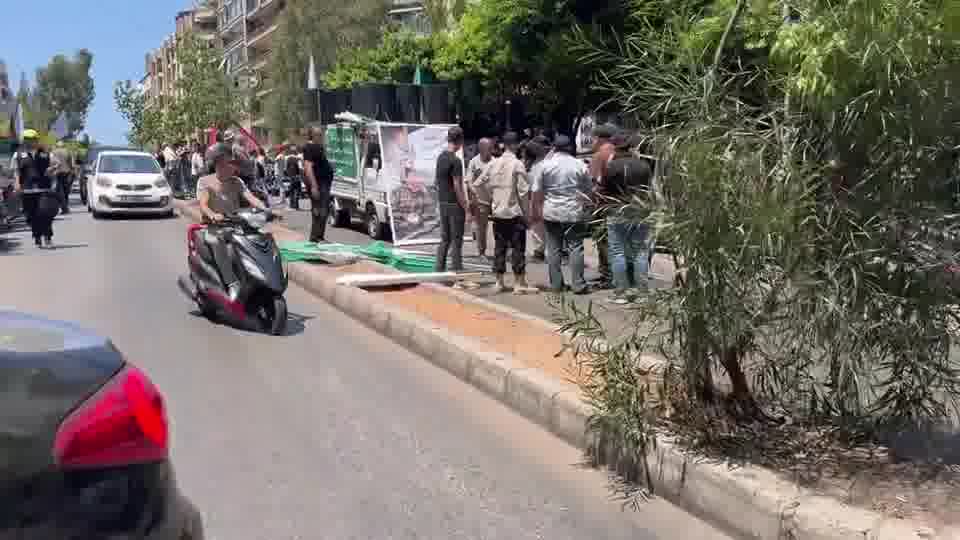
[{"x": 332, "y": 432}]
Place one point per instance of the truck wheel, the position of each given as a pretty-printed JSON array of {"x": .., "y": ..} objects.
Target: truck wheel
[
  {"x": 338, "y": 218},
  {"x": 374, "y": 226}
]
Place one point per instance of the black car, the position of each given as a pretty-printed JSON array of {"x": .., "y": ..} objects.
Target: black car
[{"x": 84, "y": 441}]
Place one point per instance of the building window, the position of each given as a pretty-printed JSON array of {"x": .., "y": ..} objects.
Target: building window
[
  {"x": 231, "y": 10},
  {"x": 235, "y": 58}
]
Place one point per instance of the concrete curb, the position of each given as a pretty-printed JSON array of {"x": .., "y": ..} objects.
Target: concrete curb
[{"x": 747, "y": 503}]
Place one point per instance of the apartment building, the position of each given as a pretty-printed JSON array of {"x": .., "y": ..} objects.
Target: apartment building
[
  {"x": 245, "y": 30},
  {"x": 410, "y": 14},
  {"x": 161, "y": 68}
]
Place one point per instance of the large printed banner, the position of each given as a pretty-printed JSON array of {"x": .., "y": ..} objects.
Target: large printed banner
[
  {"x": 341, "y": 150},
  {"x": 408, "y": 175}
]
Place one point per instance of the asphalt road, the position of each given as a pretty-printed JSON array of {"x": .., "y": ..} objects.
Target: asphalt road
[{"x": 332, "y": 432}]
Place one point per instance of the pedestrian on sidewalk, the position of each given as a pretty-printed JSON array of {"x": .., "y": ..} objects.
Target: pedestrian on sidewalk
[
  {"x": 628, "y": 178},
  {"x": 293, "y": 173},
  {"x": 478, "y": 195},
  {"x": 318, "y": 173},
  {"x": 62, "y": 166},
  {"x": 506, "y": 181},
  {"x": 562, "y": 191},
  {"x": 197, "y": 166},
  {"x": 171, "y": 167},
  {"x": 536, "y": 150},
  {"x": 603, "y": 151},
  {"x": 32, "y": 178},
  {"x": 452, "y": 202}
]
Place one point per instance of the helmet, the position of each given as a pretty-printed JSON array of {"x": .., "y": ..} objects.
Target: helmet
[
  {"x": 220, "y": 151},
  {"x": 229, "y": 135},
  {"x": 30, "y": 134}
]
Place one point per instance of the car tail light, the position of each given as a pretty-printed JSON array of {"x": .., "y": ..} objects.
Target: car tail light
[{"x": 124, "y": 423}]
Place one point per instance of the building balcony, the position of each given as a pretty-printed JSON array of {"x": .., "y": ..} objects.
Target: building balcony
[
  {"x": 263, "y": 9},
  {"x": 205, "y": 16},
  {"x": 262, "y": 38},
  {"x": 235, "y": 57}
]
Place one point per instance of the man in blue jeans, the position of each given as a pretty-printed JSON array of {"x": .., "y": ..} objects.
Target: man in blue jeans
[
  {"x": 561, "y": 187},
  {"x": 628, "y": 179},
  {"x": 453, "y": 203}
]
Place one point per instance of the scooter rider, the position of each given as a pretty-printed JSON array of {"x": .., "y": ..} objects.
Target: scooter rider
[{"x": 220, "y": 194}]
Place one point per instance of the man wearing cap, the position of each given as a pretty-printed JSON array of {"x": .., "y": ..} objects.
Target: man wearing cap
[
  {"x": 562, "y": 191},
  {"x": 220, "y": 194},
  {"x": 32, "y": 179},
  {"x": 246, "y": 169}
]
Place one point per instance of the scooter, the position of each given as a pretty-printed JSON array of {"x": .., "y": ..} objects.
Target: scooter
[{"x": 260, "y": 305}]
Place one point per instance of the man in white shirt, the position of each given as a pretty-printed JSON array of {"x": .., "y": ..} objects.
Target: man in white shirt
[
  {"x": 197, "y": 166},
  {"x": 171, "y": 166}
]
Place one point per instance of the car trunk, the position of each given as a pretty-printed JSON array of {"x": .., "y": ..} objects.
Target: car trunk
[{"x": 46, "y": 370}]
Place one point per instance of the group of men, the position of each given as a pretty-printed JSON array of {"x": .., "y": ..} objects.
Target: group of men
[{"x": 541, "y": 184}]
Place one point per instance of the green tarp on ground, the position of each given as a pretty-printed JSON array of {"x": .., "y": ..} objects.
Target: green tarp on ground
[{"x": 380, "y": 252}]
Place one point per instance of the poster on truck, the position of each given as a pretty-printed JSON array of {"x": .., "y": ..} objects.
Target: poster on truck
[
  {"x": 408, "y": 175},
  {"x": 341, "y": 144}
]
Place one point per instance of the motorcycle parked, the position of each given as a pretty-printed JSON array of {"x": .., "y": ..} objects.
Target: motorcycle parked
[{"x": 260, "y": 305}]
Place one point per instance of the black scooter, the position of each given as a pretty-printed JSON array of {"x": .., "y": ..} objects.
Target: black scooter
[{"x": 260, "y": 305}]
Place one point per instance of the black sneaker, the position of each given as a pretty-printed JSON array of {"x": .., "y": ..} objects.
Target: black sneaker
[
  {"x": 48, "y": 241},
  {"x": 38, "y": 242}
]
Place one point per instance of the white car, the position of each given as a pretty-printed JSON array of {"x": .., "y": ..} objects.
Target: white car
[{"x": 128, "y": 182}]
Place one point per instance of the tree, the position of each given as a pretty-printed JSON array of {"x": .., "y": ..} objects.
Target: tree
[
  {"x": 443, "y": 13},
  {"x": 529, "y": 47},
  {"x": 806, "y": 287},
  {"x": 204, "y": 95},
  {"x": 64, "y": 86},
  {"x": 324, "y": 30},
  {"x": 394, "y": 59},
  {"x": 145, "y": 122}
]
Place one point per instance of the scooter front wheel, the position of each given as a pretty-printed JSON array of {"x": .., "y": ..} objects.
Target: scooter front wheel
[{"x": 272, "y": 315}]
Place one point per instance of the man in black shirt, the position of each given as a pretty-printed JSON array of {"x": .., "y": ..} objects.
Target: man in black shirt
[
  {"x": 453, "y": 203},
  {"x": 627, "y": 177},
  {"x": 33, "y": 180},
  {"x": 318, "y": 174}
]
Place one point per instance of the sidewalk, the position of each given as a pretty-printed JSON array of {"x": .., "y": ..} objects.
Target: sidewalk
[{"x": 539, "y": 305}]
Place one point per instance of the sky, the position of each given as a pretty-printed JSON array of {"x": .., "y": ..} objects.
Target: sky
[{"x": 119, "y": 33}]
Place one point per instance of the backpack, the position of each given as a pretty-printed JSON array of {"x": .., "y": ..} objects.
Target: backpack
[{"x": 292, "y": 166}]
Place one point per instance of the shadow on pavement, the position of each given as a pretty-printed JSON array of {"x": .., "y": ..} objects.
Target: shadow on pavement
[
  {"x": 57, "y": 247},
  {"x": 138, "y": 217},
  {"x": 10, "y": 246},
  {"x": 296, "y": 323}
]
